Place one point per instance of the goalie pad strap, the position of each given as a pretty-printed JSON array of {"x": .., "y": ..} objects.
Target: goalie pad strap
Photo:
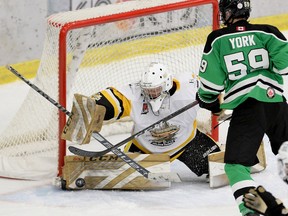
[{"x": 86, "y": 117}]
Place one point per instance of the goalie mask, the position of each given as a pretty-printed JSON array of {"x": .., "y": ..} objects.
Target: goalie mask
[
  {"x": 231, "y": 9},
  {"x": 155, "y": 84},
  {"x": 283, "y": 161}
]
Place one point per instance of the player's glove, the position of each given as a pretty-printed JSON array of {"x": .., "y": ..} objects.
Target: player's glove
[
  {"x": 214, "y": 107},
  {"x": 264, "y": 202}
]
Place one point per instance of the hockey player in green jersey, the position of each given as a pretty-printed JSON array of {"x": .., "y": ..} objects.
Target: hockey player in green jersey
[{"x": 246, "y": 62}]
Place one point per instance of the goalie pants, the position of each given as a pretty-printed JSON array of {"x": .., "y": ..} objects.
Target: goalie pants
[
  {"x": 195, "y": 154},
  {"x": 250, "y": 121}
]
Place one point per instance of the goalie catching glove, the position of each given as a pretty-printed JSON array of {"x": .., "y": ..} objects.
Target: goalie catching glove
[{"x": 86, "y": 117}]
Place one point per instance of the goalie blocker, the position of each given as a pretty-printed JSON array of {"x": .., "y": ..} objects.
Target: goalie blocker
[{"x": 86, "y": 117}]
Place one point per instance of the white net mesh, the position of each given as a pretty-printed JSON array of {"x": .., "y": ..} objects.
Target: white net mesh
[{"x": 100, "y": 55}]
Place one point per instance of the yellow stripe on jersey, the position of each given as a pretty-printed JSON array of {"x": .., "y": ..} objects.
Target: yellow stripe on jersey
[
  {"x": 126, "y": 109},
  {"x": 136, "y": 143},
  {"x": 177, "y": 84},
  {"x": 113, "y": 100},
  {"x": 176, "y": 156}
]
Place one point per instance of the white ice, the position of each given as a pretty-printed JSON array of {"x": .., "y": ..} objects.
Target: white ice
[{"x": 191, "y": 197}]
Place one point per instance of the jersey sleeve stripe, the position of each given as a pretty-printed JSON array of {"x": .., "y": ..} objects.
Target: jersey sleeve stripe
[
  {"x": 212, "y": 86},
  {"x": 281, "y": 72},
  {"x": 124, "y": 103},
  {"x": 113, "y": 100}
]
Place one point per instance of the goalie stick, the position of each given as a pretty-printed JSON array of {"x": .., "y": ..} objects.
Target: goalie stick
[
  {"x": 170, "y": 177},
  {"x": 85, "y": 153}
]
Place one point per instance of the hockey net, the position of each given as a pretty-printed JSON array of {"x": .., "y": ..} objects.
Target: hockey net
[{"x": 88, "y": 50}]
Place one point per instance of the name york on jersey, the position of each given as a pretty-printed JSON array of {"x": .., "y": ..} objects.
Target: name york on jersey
[{"x": 243, "y": 41}]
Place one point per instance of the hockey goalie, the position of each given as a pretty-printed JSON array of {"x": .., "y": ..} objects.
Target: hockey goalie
[{"x": 154, "y": 97}]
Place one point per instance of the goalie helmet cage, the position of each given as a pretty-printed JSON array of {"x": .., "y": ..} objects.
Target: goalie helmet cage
[{"x": 90, "y": 49}]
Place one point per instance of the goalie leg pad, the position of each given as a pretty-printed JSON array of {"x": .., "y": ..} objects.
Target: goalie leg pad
[
  {"x": 86, "y": 117},
  {"x": 110, "y": 172},
  {"x": 217, "y": 175}
]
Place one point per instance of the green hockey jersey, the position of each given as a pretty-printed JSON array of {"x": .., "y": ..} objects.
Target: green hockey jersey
[{"x": 244, "y": 60}]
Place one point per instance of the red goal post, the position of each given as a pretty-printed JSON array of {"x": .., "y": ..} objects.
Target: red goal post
[{"x": 90, "y": 49}]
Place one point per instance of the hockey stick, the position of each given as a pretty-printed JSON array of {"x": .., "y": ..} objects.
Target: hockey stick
[
  {"x": 170, "y": 177},
  {"x": 139, "y": 133},
  {"x": 228, "y": 117}
]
